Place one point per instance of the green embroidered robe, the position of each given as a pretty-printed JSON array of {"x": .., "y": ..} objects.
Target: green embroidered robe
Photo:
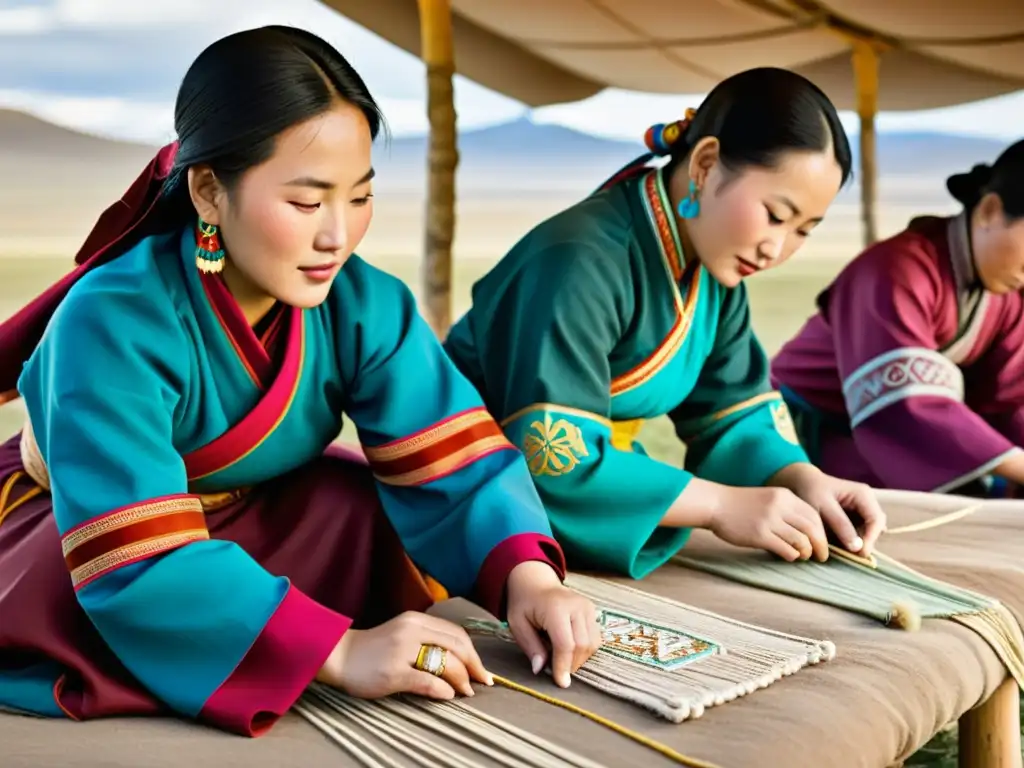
[{"x": 595, "y": 322}]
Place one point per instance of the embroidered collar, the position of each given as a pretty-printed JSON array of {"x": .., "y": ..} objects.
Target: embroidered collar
[
  {"x": 662, "y": 219},
  {"x": 962, "y": 258}
]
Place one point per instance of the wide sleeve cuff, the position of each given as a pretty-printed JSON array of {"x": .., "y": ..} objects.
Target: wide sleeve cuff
[
  {"x": 765, "y": 461},
  {"x": 283, "y": 661},
  {"x": 521, "y": 548}
]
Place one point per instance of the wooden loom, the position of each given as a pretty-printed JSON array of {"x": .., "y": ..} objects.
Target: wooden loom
[
  {"x": 670, "y": 658},
  {"x": 719, "y": 660},
  {"x": 676, "y": 660},
  {"x": 879, "y": 587},
  {"x": 884, "y": 589}
]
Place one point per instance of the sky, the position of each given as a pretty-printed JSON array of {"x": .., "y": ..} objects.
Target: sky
[{"x": 112, "y": 67}]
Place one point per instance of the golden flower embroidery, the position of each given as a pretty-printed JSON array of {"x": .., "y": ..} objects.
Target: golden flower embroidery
[
  {"x": 784, "y": 423},
  {"x": 553, "y": 447}
]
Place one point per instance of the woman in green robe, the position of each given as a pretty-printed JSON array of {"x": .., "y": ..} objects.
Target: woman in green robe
[{"x": 630, "y": 305}]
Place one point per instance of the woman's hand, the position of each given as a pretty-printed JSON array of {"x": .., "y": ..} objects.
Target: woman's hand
[
  {"x": 831, "y": 497},
  {"x": 378, "y": 662},
  {"x": 539, "y": 602},
  {"x": 772, "y": 519}
]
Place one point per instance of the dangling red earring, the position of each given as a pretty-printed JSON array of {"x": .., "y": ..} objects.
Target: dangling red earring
[{"x": 209, "y": 252}]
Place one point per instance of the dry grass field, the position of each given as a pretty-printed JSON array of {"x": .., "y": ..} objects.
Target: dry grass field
[{"x": 781, "y": 299}]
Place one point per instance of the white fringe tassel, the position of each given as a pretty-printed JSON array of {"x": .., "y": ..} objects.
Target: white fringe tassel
[
  {"x": 753, "y": 657},
  {"x": 409, "y": 731}
]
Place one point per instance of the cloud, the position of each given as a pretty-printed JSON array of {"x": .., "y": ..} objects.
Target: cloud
[
  {"x": 130, "y": 48},
  {"x": 113, "y": 67},
  {"x": 126, "y": 119},
  {"x": 626, "y": 114}
]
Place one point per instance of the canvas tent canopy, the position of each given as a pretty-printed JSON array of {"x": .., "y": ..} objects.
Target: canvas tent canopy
[{"x": 868, "y": 55}]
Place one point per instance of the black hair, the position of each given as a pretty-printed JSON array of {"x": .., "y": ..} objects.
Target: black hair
[
  {"x": 245, "y": 89},
  {"x": 762, "y": 113},
  {"x": 1005, "y": 178}
]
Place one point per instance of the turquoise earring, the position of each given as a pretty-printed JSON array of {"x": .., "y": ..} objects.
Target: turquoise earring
[{"x": 689, "y": 207}]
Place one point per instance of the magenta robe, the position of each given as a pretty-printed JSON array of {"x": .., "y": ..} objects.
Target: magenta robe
[{"x": 911, "y": 375}]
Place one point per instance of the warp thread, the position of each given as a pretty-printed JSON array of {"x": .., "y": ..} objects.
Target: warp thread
[
  {"x": 889, "y": 592},
  {"x": 750, "y": 657},
  {"x": 449, "y": 734}
]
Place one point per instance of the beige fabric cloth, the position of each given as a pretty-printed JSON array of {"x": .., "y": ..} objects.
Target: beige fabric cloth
[
  {"x": 886, "y": 693},
  {"x": 555, "y": 51}
]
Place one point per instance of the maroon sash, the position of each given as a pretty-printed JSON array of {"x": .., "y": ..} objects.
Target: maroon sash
[{"x": 111, "y": 236}]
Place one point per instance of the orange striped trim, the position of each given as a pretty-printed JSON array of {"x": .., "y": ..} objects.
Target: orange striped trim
[
  {"x": 665, "y": 227},
  {"x": 685, "y": 310},
  {"x": 437, "y": 450},
  {"x": 131, "y": 534}
]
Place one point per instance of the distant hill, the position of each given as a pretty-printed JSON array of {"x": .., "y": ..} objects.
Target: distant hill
[
  {"x": 55, "y": 181},
  {"x": 26, "y": 136},
  {"x": 523, "y": 142},
  {"x": 521, "y": 150}
]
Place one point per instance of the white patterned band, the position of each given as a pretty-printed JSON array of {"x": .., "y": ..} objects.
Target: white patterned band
[{"x": 897, "y": 375}]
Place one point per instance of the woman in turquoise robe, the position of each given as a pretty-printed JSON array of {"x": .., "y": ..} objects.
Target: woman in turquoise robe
[
  {"x": 630, "y": 306},
  {"x": 175, "y": 534}
]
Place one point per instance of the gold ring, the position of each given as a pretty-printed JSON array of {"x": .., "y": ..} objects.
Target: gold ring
[{"x": 432, "y": 659}]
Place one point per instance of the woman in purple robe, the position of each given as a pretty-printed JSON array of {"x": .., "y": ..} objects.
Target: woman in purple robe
[{"x": 911, "y": 374}]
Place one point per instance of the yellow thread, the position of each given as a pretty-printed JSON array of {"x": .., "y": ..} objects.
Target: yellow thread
[
  {"x": 935, "y": 522},
  {"x": 867, "y": 562},
  {"x": 5, "y": 494},
  {"x": 639, "y": 738}
]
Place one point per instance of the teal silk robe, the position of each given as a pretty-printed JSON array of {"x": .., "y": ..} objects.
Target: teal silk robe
[
  {"x": 148, "y": 393},
  {"x": 594, "y": 322}
]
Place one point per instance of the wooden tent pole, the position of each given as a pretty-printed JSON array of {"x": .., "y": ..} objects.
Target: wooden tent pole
[
  {"x": 438, "y": 53},
  {"x": 865, "y": 71}
]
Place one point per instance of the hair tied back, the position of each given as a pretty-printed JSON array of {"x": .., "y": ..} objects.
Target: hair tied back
[
  {"x": 967, "y": 188},
  {"x": 661, "y": 137},
  {"x": 981, "y": 174}
]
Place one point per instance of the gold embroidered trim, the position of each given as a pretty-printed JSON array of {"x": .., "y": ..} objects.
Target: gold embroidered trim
[
  {"x": 449, "y": 463},
  {"x": 604, "y": 421},
  {"x": 435, "y": 434},
  {"x": 749, "y": 403},
  {"x": 752, "y": 402},
  {"x": 553, "y": 447},
  {"x": 130, "y": 516},
  {"x": 685, "y": 310},
  {"x": 133, "y": 552}
]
